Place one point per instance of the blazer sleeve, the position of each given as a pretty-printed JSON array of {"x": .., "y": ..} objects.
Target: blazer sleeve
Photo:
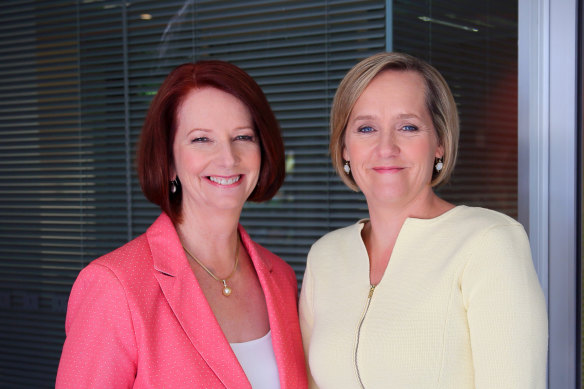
[
  {"x": 100, "y": 347},
  {"x": 506, "y": 312},
  {"x": 306, "y": 316}
]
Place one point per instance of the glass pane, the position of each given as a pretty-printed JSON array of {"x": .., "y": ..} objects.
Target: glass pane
[
  {"x": 474, "y": 45},
  {"x": 77, "y": 78}
]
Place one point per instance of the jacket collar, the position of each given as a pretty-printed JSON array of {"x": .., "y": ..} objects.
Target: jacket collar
[
  {"x": 168, "y": 254},
  {"x": 187, "y": 301}
]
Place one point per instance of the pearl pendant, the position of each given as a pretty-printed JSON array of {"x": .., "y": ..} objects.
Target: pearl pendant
[
  {"x": 226, "y": 289},
  {"x": 347, "y": 168}
]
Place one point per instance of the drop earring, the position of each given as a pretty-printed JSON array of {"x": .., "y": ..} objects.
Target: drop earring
[
  {"x": 174, "y": 185},
  {"x": 347, "y": 167},
  {"x": 439, "y": 165}
]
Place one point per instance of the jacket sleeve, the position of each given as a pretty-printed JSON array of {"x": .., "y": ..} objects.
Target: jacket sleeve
[
  {"x": 100, "y": 347},
  {"x": 506, "y": 312},
  {"x": 306, "y": 316}
]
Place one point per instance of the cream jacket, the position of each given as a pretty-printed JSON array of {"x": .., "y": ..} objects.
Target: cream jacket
[{"x": 459, "y": 306}]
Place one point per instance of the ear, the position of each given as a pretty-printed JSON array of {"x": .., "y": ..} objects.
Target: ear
[
  {"x": 346, "y": 154},
  {"x": 439, "y": 152},
  {"x": 172, "y": 173}
]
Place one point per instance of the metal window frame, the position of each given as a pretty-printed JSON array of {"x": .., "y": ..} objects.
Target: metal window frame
[{"x": 548, "y": 168}]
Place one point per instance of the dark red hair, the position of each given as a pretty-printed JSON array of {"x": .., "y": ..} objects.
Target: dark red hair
[{"x": 155, "y": 159}]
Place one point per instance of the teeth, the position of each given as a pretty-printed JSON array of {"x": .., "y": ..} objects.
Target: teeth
[{"x": 224, "y": 181}]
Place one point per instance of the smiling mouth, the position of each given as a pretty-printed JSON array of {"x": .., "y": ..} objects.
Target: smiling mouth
[
  {"x": 225, "y": 181},
  {"x": 387, "y": 169}
]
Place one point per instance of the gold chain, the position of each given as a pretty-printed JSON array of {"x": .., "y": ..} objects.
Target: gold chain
[{"x": 226, "y": 289}]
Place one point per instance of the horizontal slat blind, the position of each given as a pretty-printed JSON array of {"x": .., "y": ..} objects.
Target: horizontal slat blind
[
  {"x": 297, "y": 51},
  {"x": 299, "y": 68},
  {"x": 77, "y": 79},
  {"x": 474, "y": 45},
  {"x": 41, "y": 185},
  {"x": 103, "y": 102}
]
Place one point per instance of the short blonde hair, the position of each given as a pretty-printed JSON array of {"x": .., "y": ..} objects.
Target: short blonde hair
[{"x": 439, "y": 102}]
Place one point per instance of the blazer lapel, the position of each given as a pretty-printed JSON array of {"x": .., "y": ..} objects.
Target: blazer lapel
[
  {"x": 187, "y": 301},
  {"x": 279, "y": 315}
]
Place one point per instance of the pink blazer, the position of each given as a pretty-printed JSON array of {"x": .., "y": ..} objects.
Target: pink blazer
[{"x": 137, "y": 318}]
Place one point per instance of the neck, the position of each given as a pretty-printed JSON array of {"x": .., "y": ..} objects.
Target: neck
[
  {"x": 387, "y": 219},
  {"x": 210, "y": 236}
]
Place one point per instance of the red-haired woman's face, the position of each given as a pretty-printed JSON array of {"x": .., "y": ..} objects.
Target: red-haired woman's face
[{"x": 216, "y": 152}]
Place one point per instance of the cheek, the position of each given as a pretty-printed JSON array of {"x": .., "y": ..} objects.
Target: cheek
[
  {"x": 189, "y": 163},
  {"x": 254, "y": 159},
  {"x": 345, "y": 152},
  {"x": 350, "y": 151},
  {"x": 177, "y": 164},
  {"x": 257, "y": 155}
]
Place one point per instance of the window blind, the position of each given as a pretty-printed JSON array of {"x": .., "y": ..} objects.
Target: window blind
[
  {"x": 77, "y": 79},
  {"x": 474, "y": 45},
  {"x": 41, "y": 191},
  {"x": 297, "y": 51}
]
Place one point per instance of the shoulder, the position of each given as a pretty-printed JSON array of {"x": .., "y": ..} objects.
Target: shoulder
[
  {"x": 114, "y": 275},
  {"x": 497, "y": 244},
  {"x": 133, "y": 263},
  {"x": 279, "y": 271},
  {"x": 483, "y": 217},
  {"x": 340, "y": 248},
  {"x": 267, "y": 260},
  {"x": 273, "y": 261},
  {"x": 136, "y": 258},
  {"x": 128, "y": 259},
  {"x": 101, "y": 289},
  {"x": 335, "y": 240},
  {"x": 469, "y": 224}
]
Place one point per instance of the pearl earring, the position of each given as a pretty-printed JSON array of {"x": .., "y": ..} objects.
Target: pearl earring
[
  {"x": 439, "y": 165},
  {"x": 347, "y": 168}
]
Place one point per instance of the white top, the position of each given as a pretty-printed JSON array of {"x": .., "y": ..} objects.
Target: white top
[
  {"x": 258, "y": 361},
  {"x": 459, "y": 307}
]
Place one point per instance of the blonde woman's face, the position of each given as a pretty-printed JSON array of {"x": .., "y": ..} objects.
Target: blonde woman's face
[{"x": 390, "y": 140}]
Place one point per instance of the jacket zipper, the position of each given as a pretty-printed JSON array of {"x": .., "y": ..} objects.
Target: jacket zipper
[{"x": 371, "y": 290}]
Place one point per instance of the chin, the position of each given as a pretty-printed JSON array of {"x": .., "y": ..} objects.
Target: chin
[
  {"x": 387, "y": 196},
  {"x": 226, "y": 204}
]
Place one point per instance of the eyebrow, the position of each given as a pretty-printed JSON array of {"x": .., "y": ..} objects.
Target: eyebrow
[
  {"x": 400, "y": 116},
  {"x": 197, "y": 129},
  {"x": 407, "y": 116},
  {"x": 363, "y": 117},
  {"x": 242, "y": 128}
]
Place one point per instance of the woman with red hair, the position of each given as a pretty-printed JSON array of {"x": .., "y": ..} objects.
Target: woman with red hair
[{"x": 193, "y": 302}]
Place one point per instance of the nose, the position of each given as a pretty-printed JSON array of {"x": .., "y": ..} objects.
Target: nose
[
  {"x": 227, "y": 154},
  {"x": 388, "y": 144}
]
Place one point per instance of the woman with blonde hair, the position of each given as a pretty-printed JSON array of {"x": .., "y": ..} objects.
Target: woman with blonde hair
[{"x": 423, "y": 293}]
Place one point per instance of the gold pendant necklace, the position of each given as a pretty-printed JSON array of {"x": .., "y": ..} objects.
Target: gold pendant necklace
[{"x": 226, "y": 289}]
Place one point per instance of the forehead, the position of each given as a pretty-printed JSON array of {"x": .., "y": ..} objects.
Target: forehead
[
  {"x": 211, "y": 104},
  {"x": 397, "y": 82},
  {"x": 391, "y": 90},
  {"x": 208, "y": 96}
]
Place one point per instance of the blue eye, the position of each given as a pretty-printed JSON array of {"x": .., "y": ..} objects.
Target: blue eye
[
  {"x": 366, "y": 129},
  {"x": 409, "y": 128}
]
